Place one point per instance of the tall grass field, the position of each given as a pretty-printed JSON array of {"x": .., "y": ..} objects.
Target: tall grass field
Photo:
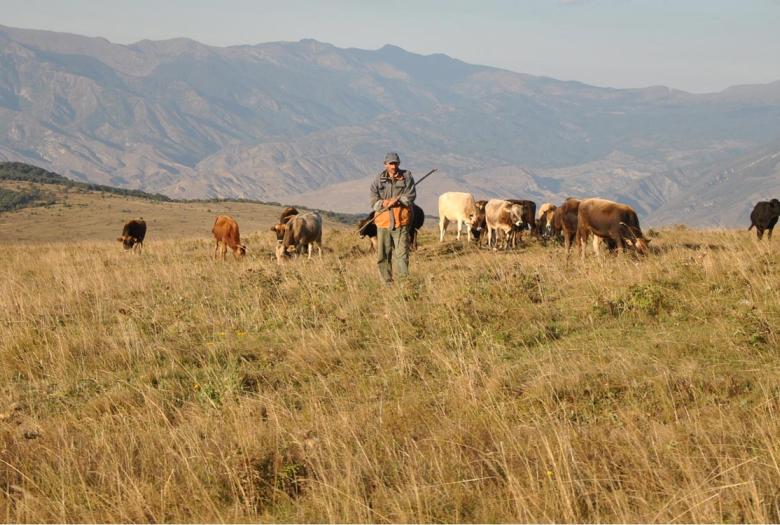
[{"x": 490, "y": 387}]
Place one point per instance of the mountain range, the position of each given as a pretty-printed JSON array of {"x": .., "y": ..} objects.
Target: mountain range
[{"x": 309, "y": 123}]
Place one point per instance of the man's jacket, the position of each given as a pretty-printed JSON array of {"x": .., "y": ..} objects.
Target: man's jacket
[{"x": 385, "y": 187}]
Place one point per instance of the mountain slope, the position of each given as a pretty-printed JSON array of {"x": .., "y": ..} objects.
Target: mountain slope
[{"x": 298, "y": 121}]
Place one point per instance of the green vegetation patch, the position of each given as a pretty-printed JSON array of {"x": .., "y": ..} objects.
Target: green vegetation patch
[
  {"x": 19, "y": 171},
  {"x": 14, "y": 200}
]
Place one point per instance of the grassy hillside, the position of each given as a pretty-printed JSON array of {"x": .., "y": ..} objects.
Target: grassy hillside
[
  {"x": 492, "y": 387},
  {"x": 53, "y": 212}
]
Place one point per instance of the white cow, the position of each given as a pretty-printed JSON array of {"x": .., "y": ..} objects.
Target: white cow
[
  {"x": 502, "y": 215},
  {"x": 456, "y": 206}
]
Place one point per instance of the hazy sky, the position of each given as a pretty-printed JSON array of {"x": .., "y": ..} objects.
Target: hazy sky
[{"x": 694, "y": 45}]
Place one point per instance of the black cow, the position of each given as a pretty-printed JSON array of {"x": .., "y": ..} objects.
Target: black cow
[
  {"x": 418, "y": 219},
  {"x": 133, "y": 235},
  {"x": 764, "y": 217}
]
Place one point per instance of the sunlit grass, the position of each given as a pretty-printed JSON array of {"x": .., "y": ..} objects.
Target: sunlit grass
[{"x": 491, "y": 387}]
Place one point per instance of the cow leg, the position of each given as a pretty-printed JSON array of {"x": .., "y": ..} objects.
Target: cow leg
[
  {"x": 309, "y": 258},
  {"x": 582, "y": 239},
  {"x": 567, "y": 241},
  {"x": 596, "y": 243},
  {"x": 216, "y": 250},
  {"x": 442, "y": 228},
  {"x": 460, "y": 225},
  {"x": 759, "y": 232},
  {"x": 769, "y": 233},
  {"x": 620, "y": 245}
]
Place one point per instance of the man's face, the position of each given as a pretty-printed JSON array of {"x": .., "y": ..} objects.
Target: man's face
[{"x": 391, "y": 167}]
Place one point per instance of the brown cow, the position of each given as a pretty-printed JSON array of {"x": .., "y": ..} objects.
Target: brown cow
[
  {"x": 225, "y": 232},
  {"x": 133, "y": 235},
  {"x": 609, "y": 220},
  {"x": 288, "y": 213}
]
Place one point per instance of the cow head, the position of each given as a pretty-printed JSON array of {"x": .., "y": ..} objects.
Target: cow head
[
  {"x": 516, "y": 213},
  {"x": 364, "y": 228},
  {"x": 127, "y": 241},
  {"x": 641, "y": 245},
  {"x": 476, "y": 219},
  {"x": 545, "y": 222},
  {"x": 279, "y": 229},
  {"x": 240, "y": 250}
]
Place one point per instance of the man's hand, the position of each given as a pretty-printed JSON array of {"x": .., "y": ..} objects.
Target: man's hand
[{"x": 388, "y": 203}]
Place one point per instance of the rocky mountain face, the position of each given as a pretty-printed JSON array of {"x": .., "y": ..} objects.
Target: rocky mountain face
[{"x": 309, "y": 123}]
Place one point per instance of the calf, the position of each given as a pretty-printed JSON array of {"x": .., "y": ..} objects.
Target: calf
[
  {"x": 501, "y": 215},
  {"x": 226, "y": 234},
  {"x": 279, "y": 228},
  {"x": 609, "y": 220},
  {"x": 459, "y": 207},
  {"x": 529, "y": 220},
  {"x": 302, "y": 231},
  {"x": 479, "y": 226},
  {"x": 133, "y": 235},
  {"x": 764, "y": 217}
]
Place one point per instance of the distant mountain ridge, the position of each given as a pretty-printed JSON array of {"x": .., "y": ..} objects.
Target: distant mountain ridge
[{"x": 308, "y": 122}]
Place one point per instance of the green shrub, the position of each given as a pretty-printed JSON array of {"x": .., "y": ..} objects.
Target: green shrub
[{"x": 14, "y": 200}]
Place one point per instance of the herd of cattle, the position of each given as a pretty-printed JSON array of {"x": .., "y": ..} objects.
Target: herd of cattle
[{"x": 614, "y": 224}]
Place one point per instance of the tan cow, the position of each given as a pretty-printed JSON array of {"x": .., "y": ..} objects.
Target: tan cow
[
  {"x": 226, "y": 234},
  {"x": 501, "y": 215},
  {"x": 545, "y": 220},
  {"x": 458, "y": 207},
  {"x": 609, "y": 220},
  {"x": 303, "y": 230}
]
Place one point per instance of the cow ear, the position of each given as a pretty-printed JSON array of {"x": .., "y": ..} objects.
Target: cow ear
[{"x": 120, "y": 239}]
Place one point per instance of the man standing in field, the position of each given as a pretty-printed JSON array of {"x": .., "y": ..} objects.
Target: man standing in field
[{"x": 393, "y": 191}]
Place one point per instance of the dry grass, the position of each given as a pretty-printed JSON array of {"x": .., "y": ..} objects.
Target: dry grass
[
  {"x": 493, "y": 387},
  {"x": 80, "y": 215}
]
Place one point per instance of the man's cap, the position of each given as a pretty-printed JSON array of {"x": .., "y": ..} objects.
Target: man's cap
[{"x": 392, "y": 157}]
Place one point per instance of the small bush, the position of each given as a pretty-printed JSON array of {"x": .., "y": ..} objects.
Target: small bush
[{"x": 649, "y": 299}]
